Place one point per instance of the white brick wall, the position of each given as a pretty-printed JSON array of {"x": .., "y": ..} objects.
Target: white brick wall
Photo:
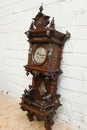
[{"x": 71, "y": 15}]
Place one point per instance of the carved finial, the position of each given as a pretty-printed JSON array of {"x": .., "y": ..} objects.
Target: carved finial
[
  {"x": 41, "y": 8},
  {"x": 31, "y": 26},
  {"x": 52, "y": 24},
  {"x": 67, "y": 34}
]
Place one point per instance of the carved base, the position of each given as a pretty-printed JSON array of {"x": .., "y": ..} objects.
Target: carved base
[
  {"x": 30, "y": 116},
  {"x": 48, "y": 119},
  {"x": 42, "y": 110},
  {"x": 49, "y": 122}
]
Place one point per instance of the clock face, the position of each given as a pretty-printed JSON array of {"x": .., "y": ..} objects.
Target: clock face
[{"x": 40, "y": 55}]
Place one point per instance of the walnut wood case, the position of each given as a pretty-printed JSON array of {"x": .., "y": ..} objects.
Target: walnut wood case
[{"x": 45, "y": 49}]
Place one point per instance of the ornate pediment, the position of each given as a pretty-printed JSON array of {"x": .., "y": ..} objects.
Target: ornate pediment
[{"x": 41, "y": 20}]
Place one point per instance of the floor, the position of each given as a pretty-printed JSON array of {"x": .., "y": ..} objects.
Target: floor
[{"x": 13, "y": 118}]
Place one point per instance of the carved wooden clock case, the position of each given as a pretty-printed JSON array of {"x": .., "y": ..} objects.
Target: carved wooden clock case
[{"x": 41, "y": 99}]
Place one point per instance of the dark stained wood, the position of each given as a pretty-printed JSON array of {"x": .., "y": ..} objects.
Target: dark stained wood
[{"x": 41, "y": 99}]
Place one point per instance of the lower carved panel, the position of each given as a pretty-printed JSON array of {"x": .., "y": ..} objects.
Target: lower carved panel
[{"x": 42, "y": 110}]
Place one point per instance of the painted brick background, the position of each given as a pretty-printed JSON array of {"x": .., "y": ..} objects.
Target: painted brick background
[{"x": 71, "y": 15}]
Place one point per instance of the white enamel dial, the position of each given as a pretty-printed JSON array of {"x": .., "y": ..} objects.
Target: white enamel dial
[{"x": 40, "y": 55}]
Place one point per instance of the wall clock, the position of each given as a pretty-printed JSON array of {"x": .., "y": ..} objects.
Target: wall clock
[{"x": 44, "y": 57}]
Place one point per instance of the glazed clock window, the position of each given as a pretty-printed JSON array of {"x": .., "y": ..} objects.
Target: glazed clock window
[{"x": 40, "y": 55}]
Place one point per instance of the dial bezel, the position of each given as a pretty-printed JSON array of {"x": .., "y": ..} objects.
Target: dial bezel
[{"x": 37, "y": 63}]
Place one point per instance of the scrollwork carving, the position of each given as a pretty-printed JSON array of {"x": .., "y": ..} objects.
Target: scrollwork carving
[
  {"x": 35, "y": 73},
  {"x": 30, "y": 49},
  {"x": 50, "y": 51}
]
